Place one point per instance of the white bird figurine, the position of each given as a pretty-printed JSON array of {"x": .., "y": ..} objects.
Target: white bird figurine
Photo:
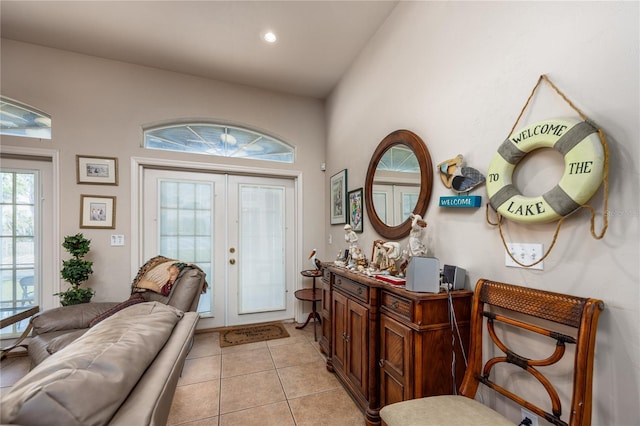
[{"x": 314, "y": 260}]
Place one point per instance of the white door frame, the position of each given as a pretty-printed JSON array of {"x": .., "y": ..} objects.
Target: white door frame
[
  {"x": 50, "y": 244},
  {"x": 137, "y": 166}
]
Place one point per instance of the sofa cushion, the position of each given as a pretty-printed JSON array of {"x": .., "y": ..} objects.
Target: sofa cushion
[
  {"x": 39, "y": 344},
  {"x": 63, "y": 340},
  {"x": 68, "y": 317},
  {"x": 85, "y": 382},
  {"x": 133, "y": 300}
]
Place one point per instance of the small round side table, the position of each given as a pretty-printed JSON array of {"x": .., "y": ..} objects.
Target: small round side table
[{"x": 312, "y": 295}]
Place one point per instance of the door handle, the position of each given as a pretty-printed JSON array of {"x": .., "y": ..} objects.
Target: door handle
[{"x": 232, "y": 261}]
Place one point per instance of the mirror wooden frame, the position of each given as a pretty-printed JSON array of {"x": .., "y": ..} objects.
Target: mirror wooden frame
[{"x": 412, "y": 141}]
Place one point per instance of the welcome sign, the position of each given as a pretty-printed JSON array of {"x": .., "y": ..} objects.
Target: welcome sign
[{"x": 461, "y": 201}]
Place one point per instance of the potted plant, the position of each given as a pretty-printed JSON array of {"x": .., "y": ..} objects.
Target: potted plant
[{"x": 76, "y": 271}]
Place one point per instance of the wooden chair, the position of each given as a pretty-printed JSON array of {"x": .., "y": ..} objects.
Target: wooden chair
[{"x": 518, "y": 308}]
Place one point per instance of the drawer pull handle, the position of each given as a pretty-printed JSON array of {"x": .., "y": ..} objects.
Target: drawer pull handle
[
  {"x": 359, "y": 290},
  {"x": 395, "y": 304}
]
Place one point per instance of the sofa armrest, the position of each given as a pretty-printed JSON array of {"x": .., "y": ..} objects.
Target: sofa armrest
[{"x": 68, "y": 317}]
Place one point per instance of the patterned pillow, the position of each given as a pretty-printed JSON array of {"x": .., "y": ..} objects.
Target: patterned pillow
[
  {"x": 133, "y": 300},
  {"x": 159, "y": 275}
]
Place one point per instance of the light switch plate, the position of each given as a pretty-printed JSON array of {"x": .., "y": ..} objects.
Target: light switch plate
[
  {"x": 526, "y": 253},
  {"x": 117, "y": 240}
]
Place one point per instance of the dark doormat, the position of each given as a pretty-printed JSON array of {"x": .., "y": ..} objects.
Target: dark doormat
[{"x": 238, "y": 335}]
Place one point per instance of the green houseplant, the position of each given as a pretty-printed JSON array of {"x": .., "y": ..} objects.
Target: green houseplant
[{"x": 76, "y": 271}]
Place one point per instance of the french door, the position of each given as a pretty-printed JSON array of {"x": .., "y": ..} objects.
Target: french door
[
  {"x": 26, "y": 232},
  {"x": 238, "y": 229},
  {"x": 394, "y": 203}
]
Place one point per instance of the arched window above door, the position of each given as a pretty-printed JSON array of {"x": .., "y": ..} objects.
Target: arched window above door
[
  {"x": 218, "y": 139},
  {"x": 18, "y": 119}
]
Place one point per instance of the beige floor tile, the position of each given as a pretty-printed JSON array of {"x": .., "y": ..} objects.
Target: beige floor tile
[
  {"x": 333, "y": 407},
  {"x": 306, "y": 379},
  {"x": 200, "y": 370},
  {"x": 289, "y": 355},
  {"x": 250, "y": 390},
  {"x": 238, "y": 363},
  {"x": 277, "y": 414},
  {"x": 195, "y": 402},
  {"x": 243, "y": 348},
  {"x": 210, "y": 421},
  {"x": 205, "y": 344},
  {"x": 306, "y": 332},
  {"x": 291, "y": 340}
]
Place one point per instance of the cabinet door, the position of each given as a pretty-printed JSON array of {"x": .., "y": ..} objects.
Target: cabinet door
[
  {"x": 358, "y": 347},
  {"x": 338, "y": 339},
  {"x": 325, "y": 313},
  {"x": 396, "y": 370}
]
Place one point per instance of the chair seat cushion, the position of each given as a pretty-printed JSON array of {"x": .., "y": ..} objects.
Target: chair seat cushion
[{"x": 450, "y": 410}]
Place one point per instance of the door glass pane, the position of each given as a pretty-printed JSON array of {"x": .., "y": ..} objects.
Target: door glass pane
[
  {"x": 261, "y": 257},
  {"x": 409, "y": 201},
  {"x": 186, "y": 225},
  {"x": 17, "y": 240},
  {"x": 380, "y": 205}
]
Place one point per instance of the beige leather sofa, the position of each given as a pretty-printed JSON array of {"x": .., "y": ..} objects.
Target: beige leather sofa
[
  {"x": 56, "y": 328},
  {"x": 121, "y": 371}
]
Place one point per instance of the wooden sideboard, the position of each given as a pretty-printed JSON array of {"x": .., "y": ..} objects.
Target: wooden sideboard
[{"x": 387, "y": 344}]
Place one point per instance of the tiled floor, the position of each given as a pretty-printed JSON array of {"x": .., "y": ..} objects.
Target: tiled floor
[{"x": 278, "y": 382}]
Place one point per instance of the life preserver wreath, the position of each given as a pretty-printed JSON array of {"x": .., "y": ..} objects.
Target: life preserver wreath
[{"x": 577, "y": 141}]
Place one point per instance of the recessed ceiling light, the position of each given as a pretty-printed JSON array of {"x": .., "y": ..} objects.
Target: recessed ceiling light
[{"x": 269, "y": 37}]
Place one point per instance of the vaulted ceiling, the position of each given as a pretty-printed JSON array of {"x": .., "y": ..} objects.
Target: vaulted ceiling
[{"x": 316, "y": 40}]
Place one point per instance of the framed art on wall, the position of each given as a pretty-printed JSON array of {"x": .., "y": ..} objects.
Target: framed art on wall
[
  {"x": 356, "y": 214},
  {"x": 97, "y": 211},
  {"x": 338, "y": 198},
  {"x": 96, "y": 170}
]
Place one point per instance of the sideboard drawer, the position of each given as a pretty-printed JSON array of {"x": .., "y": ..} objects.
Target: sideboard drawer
[
  {"x": 397, "y": 304},
  {"x": 326, "y": 274},
  {"x": 357, "y": 290}
]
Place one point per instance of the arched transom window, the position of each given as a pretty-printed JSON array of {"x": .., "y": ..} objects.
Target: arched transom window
[
  {"x": 18, "y": 119},
  {"x": 220, "y": 140}
]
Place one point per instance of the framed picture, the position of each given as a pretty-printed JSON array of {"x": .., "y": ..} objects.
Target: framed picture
[
  {"x": 96, "y": 170},
  {"x": 338, "y": 198},
  {"x": 97, "y": 211},
  {"x": 356, "y": 214}
]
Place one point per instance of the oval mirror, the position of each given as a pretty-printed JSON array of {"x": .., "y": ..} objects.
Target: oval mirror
[{"x": 399, "y": 182}]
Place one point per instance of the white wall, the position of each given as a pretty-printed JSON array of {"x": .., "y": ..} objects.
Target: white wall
[
  {"x": 98, "y": 107},
  {"x": 458, "y": 74}
]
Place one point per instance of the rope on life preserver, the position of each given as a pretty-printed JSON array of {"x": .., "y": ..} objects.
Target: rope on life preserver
[{"x": 586, "y": 167}]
